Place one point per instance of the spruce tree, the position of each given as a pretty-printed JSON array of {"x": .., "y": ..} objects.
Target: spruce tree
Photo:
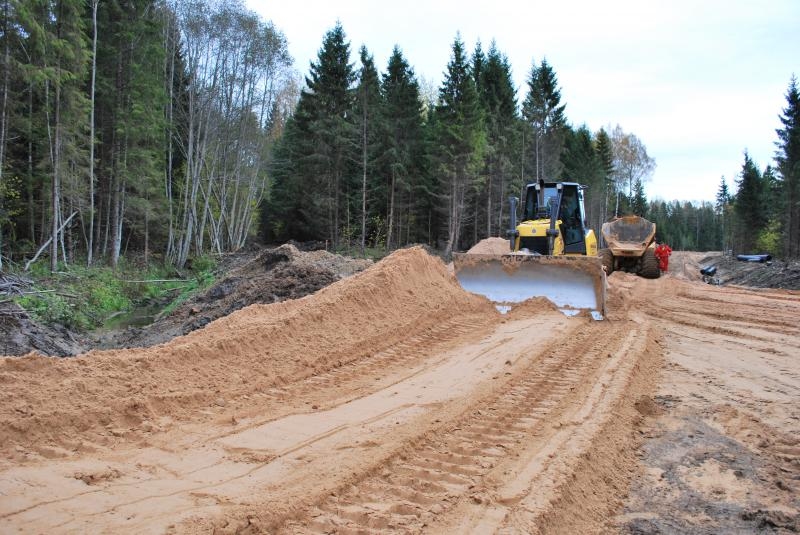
[
  {"x": 723, "y": 195},
  {"x": 722, "y": 209},
  {"x": 401, "y": 148},
  {"x": 311, "y": 164},
  {"x": 368, "y": 123},
  {"x": 330, "y": 90},
  {"x": 582, "y": 164},
  {"x": 638, "y": 201},
  {"x": 460, "y": 141},
  {"x": 749, "y": 205},
  {"x": 498, "y": 99},
  {"x": 605, "y": 156},
  {"x": 544, "y": 115},
  {"x": 788, "y": 160}
]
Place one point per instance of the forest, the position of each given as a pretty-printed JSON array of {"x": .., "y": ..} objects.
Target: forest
[{"x": 161, "y": 131}]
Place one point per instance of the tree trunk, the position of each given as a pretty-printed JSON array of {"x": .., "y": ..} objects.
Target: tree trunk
[
  {"x": 4, "y": 114},
  {"x": 391, "y": 213},
  {"x": 90, "y": 245},
  {"x": 364, "y": 185},
  {"x": 56, "y": 185}
]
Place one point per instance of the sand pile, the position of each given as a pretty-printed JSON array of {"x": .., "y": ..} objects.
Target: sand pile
[
  {"x": 274, "y": 275},
  {"x": 48, "y": 401},
  {"x": 491, "y": 246}
]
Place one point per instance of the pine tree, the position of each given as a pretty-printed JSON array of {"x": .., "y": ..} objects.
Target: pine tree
[
  {"x": 788, "y": 160},
  {"x": 544, "y": 115},
  {"x": 460, "y": 141}
]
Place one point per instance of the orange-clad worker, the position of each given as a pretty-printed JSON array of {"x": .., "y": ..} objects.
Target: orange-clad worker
[{"x": 662, "y": 253}]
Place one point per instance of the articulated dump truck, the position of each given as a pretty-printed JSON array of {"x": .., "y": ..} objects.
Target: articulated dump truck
[
  {"x": 630, "y": 246},
  {"x": 552, "y": 254}
]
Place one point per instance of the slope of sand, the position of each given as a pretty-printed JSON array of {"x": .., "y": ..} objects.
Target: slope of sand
[
  {"x": 393, "y": 401},
  {"x": 49, "y": 403}
]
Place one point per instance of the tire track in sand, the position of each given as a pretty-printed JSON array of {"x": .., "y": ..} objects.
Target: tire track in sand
[{"x": 450, "y": 477}]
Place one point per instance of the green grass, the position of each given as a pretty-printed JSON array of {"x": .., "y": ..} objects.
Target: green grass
[{"x": 82, "y": 298}]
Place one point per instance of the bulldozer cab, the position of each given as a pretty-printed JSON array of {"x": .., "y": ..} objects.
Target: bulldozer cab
[{"x": 567, "y": 199}]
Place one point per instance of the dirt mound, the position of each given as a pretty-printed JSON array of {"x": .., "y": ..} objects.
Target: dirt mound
[
  {"x": 19, "y": 334},
  {"x": 532, "y": 307},
  {"x": 273, "y": 275},
  {"x": 490, "y": 246},
  {"x": 776, "y": 274},
  {"x": 47, "y": 402}
]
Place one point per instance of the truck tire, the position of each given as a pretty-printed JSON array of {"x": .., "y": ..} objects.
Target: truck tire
[
  {"x": 650, "y": 269},
  {"x": 607, "y": 257}
]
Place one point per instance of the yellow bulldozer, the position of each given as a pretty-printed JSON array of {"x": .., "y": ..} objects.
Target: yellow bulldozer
[{"x": 552, "y": 253}]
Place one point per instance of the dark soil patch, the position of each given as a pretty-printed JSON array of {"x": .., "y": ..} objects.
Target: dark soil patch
[
  {"x": 775, "y": 274},
  {"x": 268, "y": 276},
  {"x": 20, "y": 334},
  {"x": 667, "y": 500}
]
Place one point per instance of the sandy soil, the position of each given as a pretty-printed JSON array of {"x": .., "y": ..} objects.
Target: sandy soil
[
  {"x": 258, "y": 277},
  {"x": 393, "y": 401}
]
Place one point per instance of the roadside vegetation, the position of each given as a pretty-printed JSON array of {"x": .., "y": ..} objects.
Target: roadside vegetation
[{"x": 84, "y": 299}]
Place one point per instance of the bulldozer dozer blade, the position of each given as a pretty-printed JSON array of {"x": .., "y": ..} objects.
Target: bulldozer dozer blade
[{"x": 572, "y": 283}]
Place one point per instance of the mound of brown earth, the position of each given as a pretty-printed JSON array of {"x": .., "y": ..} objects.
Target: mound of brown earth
[
  {"x": 47, "y": 402},
  {"x": 274, "y": 275},
  {"x": 490, "y": 246},
  {"x": 394, "y": 402}
]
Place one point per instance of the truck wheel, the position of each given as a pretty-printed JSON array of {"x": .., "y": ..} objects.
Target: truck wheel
[
  {"x": 650, "y": 269},
  {"x": 607, "y": 257}
]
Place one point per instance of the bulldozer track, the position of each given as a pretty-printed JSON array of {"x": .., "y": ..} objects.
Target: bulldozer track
[
  {"x": 422, "y": 483},
  {"x": 396, "y": 403},
  {"x": 408, "y": 352}
]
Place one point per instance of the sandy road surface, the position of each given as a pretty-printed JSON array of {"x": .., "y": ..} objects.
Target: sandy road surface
[{"x": 395, "y": 402}]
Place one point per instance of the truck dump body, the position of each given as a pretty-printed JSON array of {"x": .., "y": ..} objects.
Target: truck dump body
[{"x": 629, "y": 235}]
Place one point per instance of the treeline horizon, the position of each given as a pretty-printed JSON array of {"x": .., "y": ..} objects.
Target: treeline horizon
[{"x": 166, "y": 130}]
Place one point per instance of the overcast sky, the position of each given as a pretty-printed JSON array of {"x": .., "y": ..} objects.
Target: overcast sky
[{"x": 697, "y": 81}]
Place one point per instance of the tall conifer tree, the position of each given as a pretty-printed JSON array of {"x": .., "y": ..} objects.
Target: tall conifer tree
[
  {"x": 544, "y": 115},
  {"x": 401, "y": 150},
  {"x": 368, "y": 123},
  {"x": 460, "y": 140},
  {"x": 313, "y": 166},
  {"x": 788, "y": 160},
  {"x": 749, "y": 205},
  {"x": 605, "y": 156},
  {"x": 498, "y": 99}
]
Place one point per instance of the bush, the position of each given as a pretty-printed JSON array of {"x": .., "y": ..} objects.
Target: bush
[
  {"x": 83, "y": 298},
  {"x": 769, "y": 239}
]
